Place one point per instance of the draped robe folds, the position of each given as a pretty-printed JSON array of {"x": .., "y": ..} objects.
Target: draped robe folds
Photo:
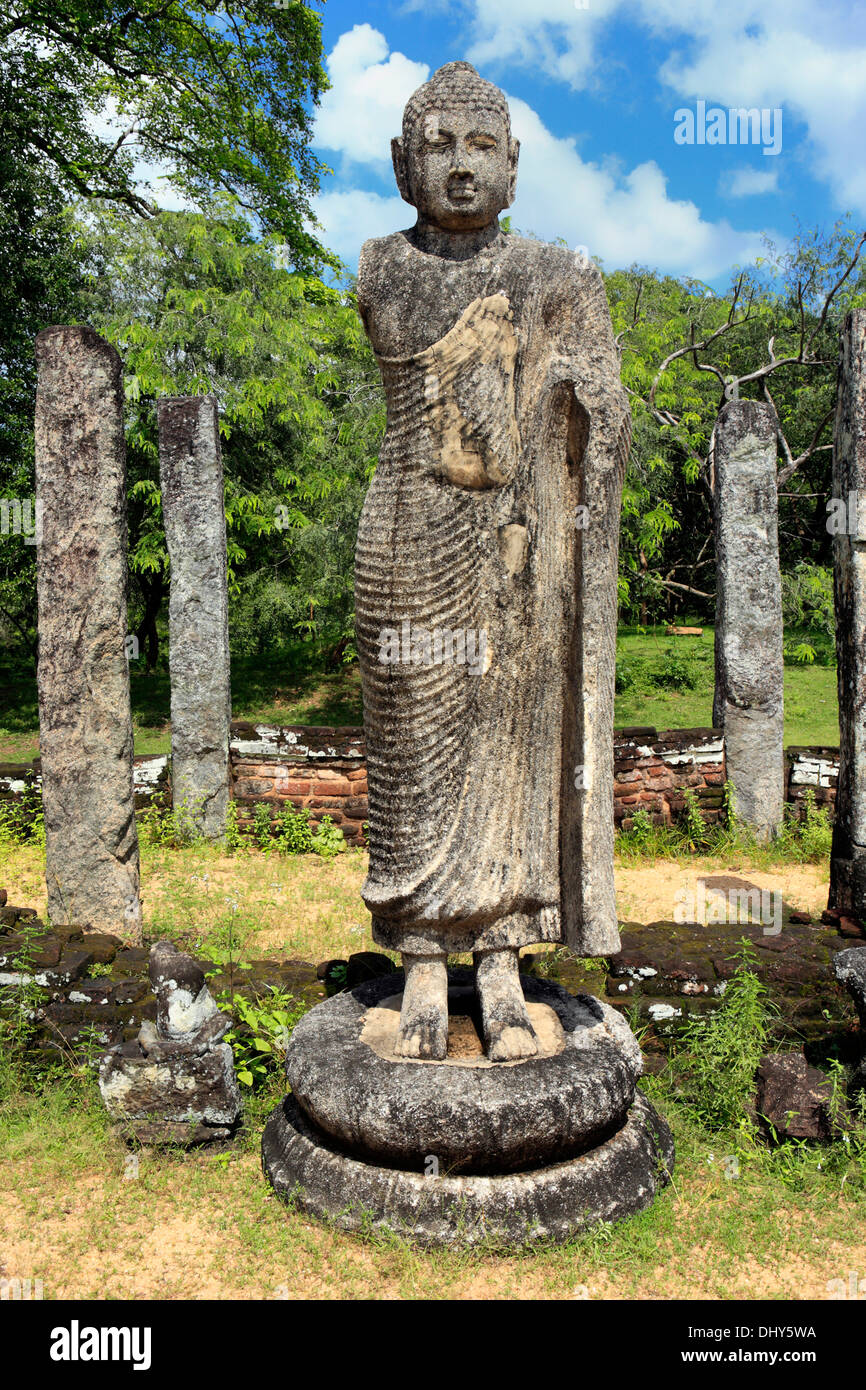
[{"x": 492, "y": 520}]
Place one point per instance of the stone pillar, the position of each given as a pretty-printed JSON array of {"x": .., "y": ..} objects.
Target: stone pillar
[
  {"x": 749, "y": 698},
  {"x": 85, "y": 724},
  {"x": 848, "y": 859},
  {"x": 191, "y": 477}
]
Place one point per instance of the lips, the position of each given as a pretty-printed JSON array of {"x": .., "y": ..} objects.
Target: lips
[{"x": 461, "y": 192}]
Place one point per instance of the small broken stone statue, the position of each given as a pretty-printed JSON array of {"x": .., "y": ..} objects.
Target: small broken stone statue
[
  {"x": 485, "y": 595},
  {"x": 175, "y": 1083}
]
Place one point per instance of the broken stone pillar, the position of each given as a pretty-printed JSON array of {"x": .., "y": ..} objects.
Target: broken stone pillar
[
  {"x": 749, "y": 694},
  {"x": 175, "y": 1083},
  {"x": 848, "y": 857},
  {"x": 85, "y": 724},
  {"x": 191, "y": 478}
]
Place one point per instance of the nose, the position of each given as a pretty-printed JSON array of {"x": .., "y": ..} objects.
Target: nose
[{"x": 461, "y": 166}]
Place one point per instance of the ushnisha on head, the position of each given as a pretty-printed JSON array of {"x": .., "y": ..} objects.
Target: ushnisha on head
[{"x": 456, "y": 162}]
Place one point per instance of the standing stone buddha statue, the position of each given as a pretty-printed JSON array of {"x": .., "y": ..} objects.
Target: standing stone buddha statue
[{"x": 486, "y": 579}]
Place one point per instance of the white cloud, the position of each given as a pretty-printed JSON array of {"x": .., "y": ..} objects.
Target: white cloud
[
  {"x": 556, "y": 35},
  {"x": 809, "y": 60},
  {"x": 349, "y": 217},
  {"x": 363, "y": 108},
  {"x": 620, "y": 216},
  {"x": 747, "y": 183},
  {"x": 816, "y": 76}
]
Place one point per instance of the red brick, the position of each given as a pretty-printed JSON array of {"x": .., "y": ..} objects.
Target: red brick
[
  {"x": 333, "y": 786},
  {"x": 253, "y": 787}
]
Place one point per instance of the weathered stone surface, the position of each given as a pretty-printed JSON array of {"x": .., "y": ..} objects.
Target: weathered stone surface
[
  {"x": 620, "y": 1177},
  {"x": 175, "y": 1082},
  {"x": 471, "y": 1114},
  {"x": 181, "y": 1099},
  {"x": 485, "y": 580},
  {"x": 793, "y": 1099},
  {"x": 850, "y": 968},
  {"x": 191, "y": 479},
  {"x": 85, "y": 726},
  {"x": 848, "y": 859},
  {"x": 748, "y": 702}
]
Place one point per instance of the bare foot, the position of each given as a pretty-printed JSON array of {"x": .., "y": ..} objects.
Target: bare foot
[
  {"x": 508, "y": 1034},
  {"x": 423, "y": 1030}
]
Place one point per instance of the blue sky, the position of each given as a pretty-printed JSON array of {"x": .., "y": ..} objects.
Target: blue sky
[{"x": 593, "y": 93}]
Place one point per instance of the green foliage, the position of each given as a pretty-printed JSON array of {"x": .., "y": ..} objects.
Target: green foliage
[
  {"x": 260, "y": 1036},
  {"x": 294, "y": 833},
  {"x": 809, "y": 614},
  {"x": 328, "y": 839},
  {"x": 163, "y": 826},
  {"x": 694, "y": 827},
  {"x": 22, "y": 822},
  {"x": 813, "y": 834},
  {"x": 234, "y": 838},
  {"x": 666, "y": 668},
  {"x": 21, "y": 1003},
  {"x": 263, "y": 832},
  {"x": 804, "y": 839},
  {"x": 716, "y": 1054},
  {"x": 195, "y": 303},
  {"x": 679, "y": 670},
  {"x": 797, "y": 297},
  {"x": 220, "y": 93}
]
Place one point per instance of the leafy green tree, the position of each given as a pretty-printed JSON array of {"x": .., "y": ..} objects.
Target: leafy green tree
[
  {"x": 40, "y": 285},
  {"x": 774, "y": 336},
  {"x": 195, "y": 303},
  {"x": 218, "y": 92},
  {"x": 218, "y": 95}
]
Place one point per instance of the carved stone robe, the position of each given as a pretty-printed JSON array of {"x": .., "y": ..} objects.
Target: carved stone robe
[{"x": 492, "y": 521}]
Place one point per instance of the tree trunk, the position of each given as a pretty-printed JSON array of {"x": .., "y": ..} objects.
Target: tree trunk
[{"x": 153, "y": 589}]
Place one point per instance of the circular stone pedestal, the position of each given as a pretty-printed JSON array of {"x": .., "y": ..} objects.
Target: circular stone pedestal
[{"x": 466, "y": 1151}]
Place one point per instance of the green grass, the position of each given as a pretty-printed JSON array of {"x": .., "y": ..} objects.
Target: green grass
[
  {"x": 271, "y": 689},
  {"x": 811, "y": 707},
  {"x": 276, "y": 689},
  {"x": 781, "y": 1223},
  {"x": 777, "y": 1224}
]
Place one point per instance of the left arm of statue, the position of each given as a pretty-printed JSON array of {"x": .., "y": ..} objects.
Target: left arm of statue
[{"x": 600, "y": 434}]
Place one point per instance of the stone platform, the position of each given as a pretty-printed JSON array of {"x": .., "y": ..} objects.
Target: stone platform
[{"x": 465, "y": 1151}]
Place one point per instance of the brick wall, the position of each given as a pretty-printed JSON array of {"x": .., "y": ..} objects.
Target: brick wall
[
  {"x": 815, "y": 769},
  {"x": 320, "y": 768},
  {"x": 324, "y": 769},
  {"x": 653, "y": 770}
]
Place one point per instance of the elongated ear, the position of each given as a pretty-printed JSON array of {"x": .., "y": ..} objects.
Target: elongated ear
[
  {"x": 401, "y": 173},
  {"x": 513, "y": 152}
]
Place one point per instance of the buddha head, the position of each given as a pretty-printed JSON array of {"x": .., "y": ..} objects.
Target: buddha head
[{"x": 456, "y": 161}]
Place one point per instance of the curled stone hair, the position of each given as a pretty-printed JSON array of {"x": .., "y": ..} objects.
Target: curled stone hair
[
  {"x": 451, "y": 84},
  {"x": 455, "y": 84}
]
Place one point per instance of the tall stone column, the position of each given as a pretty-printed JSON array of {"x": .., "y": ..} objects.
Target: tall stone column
[
  {"x": 191, "y": 477},
  {"x": 85, "y": 724},
  {"x": 749, "y": 694},
  {"x": 848, "y": 859}
]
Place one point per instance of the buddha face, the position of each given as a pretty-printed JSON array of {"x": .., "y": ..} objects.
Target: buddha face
[{"x": 459, "y": 168}]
